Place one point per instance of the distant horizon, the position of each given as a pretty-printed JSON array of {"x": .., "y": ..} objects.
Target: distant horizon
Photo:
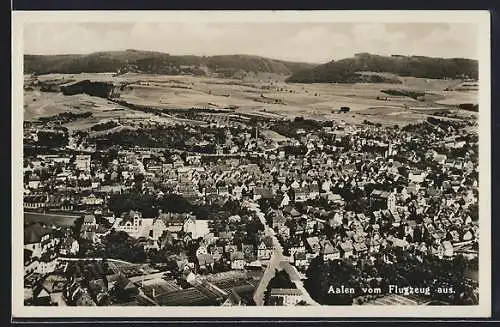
[
  {"x": 241, "y": 54},
  {"x": 310, "y": 42}
]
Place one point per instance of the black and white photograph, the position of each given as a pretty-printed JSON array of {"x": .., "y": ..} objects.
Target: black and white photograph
[{"x": 207, "y": 163}]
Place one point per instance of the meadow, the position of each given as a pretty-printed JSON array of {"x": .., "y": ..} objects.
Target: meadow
[
  {"x": 49, "y": 219},
  {"x": 260, "y": 95}
]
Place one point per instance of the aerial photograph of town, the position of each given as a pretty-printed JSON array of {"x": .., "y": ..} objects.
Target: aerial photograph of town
[{"x": 236, "y": 164}]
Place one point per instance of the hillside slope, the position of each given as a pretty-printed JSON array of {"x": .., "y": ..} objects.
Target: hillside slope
[
  {"x": 347, "y": 70},
  {"x": 157, "y": 63}
]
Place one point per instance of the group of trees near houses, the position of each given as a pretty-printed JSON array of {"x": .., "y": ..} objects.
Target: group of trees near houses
[
  {"x": 177, "y": 137},
  {"x": 367, "y": 122},
  {"x": 85, "y": 245},
  {"x": 405, "y": 270},
  {"x": 119, "y": 245},
  {"x": 89, "y": 269},
  {"x": 53, "y": 139},
  {"x": 148, "y": 204},
  {"x": 290, "y": 128},
  {"x": 440, "y": 126},
  {"x": 292, "y": 150},
  {"x": 469, "y": 107}
]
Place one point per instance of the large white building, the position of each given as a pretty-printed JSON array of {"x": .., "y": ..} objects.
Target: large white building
[
  {"x": 285, "y": 296},
  {"x": 136, "y": 226},
  {"x": 82, "y": 162}
]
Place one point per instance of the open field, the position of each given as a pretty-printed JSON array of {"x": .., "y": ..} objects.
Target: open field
[
  {"x": 259, "y": 96},
  {"x": 42, "y": 104},
  {"x": 50, "y": 219},
  {"x": 459, "y": 97}
]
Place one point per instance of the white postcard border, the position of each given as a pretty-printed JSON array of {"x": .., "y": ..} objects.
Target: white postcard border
[{"x": 481, "y": 18}]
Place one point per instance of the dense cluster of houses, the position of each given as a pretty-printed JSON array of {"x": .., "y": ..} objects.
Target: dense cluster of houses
[{"x": 355, "y": 191}]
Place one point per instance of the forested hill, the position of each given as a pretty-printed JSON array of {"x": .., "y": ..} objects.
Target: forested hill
[
  {"x": 347, "y": 70},
  {"x": 158, "y": 63}
]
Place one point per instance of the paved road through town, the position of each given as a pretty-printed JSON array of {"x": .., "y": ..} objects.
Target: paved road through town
[{"x": 274, "y": 264}]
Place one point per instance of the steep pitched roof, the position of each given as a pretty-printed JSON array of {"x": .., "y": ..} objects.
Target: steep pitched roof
[
  {"x": 238, "y": 255},
  {"x": 205, "y": 259},
  {"x": 268, "y": 241},
  {"x": 89, "y": 219},
  {"x": 35, "y": 199},
  {"x": 313, "y": 241},
  {"x": 300, "y": 255},
  {"x": 346, "y": 246}
]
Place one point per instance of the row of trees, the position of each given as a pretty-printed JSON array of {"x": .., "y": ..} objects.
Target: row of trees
[
  {"x": 412, "y": 94},
  {"x": 105, "y": 126},
  {"x": 66, "y": 117}
]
